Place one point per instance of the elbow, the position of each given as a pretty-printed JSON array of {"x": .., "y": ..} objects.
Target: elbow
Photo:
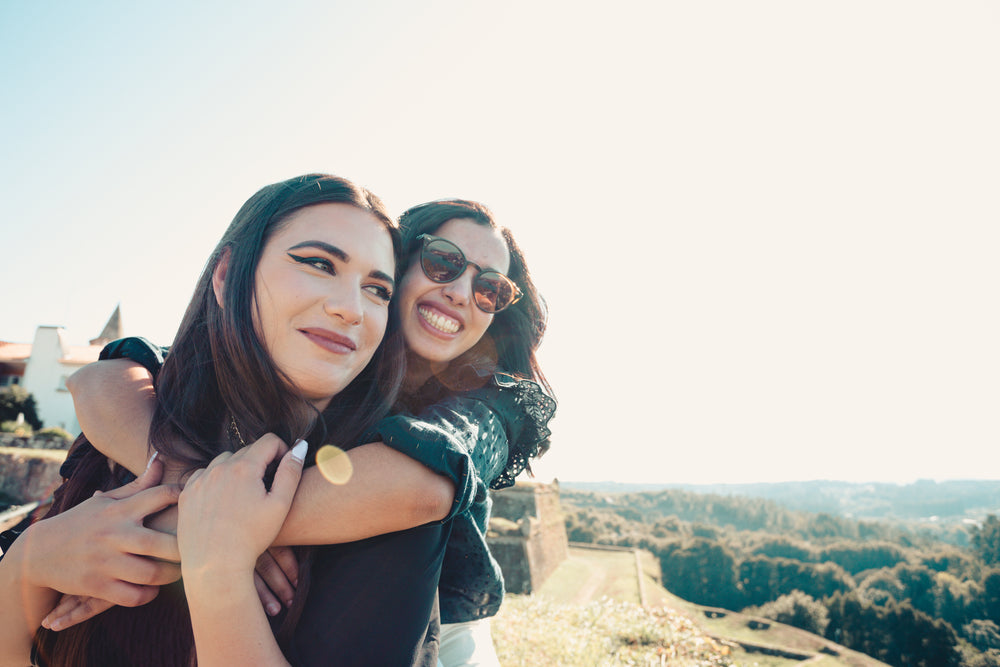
[
  {"x": 74, "y": 381},
  {"x": 436, "y": 499}
]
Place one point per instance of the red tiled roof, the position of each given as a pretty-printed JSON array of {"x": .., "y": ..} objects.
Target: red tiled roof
[{"x": 16, "y": 351}]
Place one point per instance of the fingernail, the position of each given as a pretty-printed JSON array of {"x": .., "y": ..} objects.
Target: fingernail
[
  {"x": 45, "y": 622},
  {"x": 151, "y": 459},
  {"x": 288, "y": 604},
  {"x": 299, "y": 450},
  {"x": 273, "y": 609}
]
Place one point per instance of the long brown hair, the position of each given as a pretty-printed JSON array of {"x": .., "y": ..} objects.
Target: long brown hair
[
  {"x": 202, "y": 384},
  {"x": 510, "y": 342},
  {"x": 219, "y": 369}
]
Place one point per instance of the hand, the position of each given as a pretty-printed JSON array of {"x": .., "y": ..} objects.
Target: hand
[
  {"x": 275, "y": 577},
  {"x": 101, "y": 549},
  {"x": 74, "y": 609},
  {"x": 226, "y": 517}
]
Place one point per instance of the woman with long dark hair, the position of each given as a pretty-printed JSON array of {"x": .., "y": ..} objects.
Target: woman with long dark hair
[
  {"x": 472, "y": 321},
  {"x": 289, "y": 332}
]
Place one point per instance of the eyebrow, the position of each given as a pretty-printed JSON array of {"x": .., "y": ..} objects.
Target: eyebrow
[{"x": 343, "y": 257}]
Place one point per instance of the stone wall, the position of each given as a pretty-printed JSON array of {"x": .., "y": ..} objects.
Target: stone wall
[
  {"x": 34, "y": 442},
  {"x": 25, "y": 476},
  {"x": 29, "y": 467},
  {"x": 528, "y": 534}
]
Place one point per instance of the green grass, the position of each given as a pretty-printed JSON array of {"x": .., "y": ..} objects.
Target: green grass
[
  {"x": 587, "y": 613},
  {"x": 534, "y": 630},
  {"x": 591, "y": 574}
]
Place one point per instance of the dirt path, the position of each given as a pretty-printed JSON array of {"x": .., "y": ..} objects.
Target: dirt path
[{"x": 595, "y": 577}]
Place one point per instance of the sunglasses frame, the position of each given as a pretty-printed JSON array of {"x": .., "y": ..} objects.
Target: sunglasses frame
[{"x": 427, "y": 239}]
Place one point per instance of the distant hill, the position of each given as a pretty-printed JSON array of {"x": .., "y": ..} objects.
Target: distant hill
[{"x": 951, "y": 501}]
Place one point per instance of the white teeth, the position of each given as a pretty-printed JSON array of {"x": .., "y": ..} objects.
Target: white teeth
[{"x": 439, "y": 322}]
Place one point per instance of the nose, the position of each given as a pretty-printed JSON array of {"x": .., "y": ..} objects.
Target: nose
[
  {"x": 459, "y": 291},
  {"x": 346, "y": 304}
]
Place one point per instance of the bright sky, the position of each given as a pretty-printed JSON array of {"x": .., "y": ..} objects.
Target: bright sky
[{"x": 767, "y": 232}]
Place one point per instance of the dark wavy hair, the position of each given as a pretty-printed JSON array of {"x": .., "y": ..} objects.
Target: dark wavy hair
[
  {"x": 510, "y": 342},
  {"x": 201, "y": 385},
  {"x": 218, "y": 369}
]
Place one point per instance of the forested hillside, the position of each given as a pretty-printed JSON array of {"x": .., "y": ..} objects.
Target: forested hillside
[
  {"x": 905, "y": 592},
  {"x": 946, "y": 502}
]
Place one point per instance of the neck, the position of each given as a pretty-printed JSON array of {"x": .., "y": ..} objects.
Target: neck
[
  {"x": 419, "y": 371},
  {"x": 321, "y": 403}
]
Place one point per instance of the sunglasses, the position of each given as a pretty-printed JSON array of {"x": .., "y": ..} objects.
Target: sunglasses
[{"x": 444, "y": 262}]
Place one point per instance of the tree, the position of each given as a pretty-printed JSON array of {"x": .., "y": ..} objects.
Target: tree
[
  {"x": 796, "y": 609},
  {"x": 704, "y": 572},
  {"x": 881, "y": 586},
  {"x": 896, "y": 634},
  {"x": 918, "y": 586},
  {"x": 986, "y": 540},
  {"x": 991, "y": 594},
  {"x": 984, "y": 635},
  {"x": 990, "y": 658},
  {"x": 15, "y": 400}
]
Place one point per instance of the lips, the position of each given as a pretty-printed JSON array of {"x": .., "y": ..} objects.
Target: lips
[
  {"x": 330, "y": 341},
  {"x": 438, "y": 320}
]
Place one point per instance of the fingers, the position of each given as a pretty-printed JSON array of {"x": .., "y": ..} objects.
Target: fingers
[
  {"x": 289, "y": 472},
  {"x": 267, "y": 598},
  {"x": 286, "y": 560},
  {"x": 148, "y": 479},
  {"x": 265, "y": 450},
  {"x": 151, "y": 501},
  {"x": 124, "y": 594},
  {"x": 73, "y": 609},
  {"x": 152, "y": 544},
  {"x": 275, "y": 579},
  {"x": 137, "y": 570},
  {"x": 119, "y": 593}
]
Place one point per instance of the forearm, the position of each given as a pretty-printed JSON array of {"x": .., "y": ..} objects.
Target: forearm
[
  {"x": 18, "y": 622},
  {"x": 230, "y": 627},
  {"x": 114, "y": 402},
  {"x": 388, "y": 491}
]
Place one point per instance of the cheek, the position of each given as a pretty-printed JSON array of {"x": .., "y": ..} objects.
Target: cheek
[
  {"x": 483, "y": 321},
  {"x": 262, "y": 312},
  {"x": 413, "y": 284},
  {"x": 376, "y": 331}
]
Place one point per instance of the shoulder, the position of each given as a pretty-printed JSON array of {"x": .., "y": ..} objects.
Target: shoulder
[
  {"x": 525, "y": 410},
  {"x": 138, "y": 349}
]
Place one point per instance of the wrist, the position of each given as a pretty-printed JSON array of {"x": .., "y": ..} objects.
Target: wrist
[
  {"x": 213, "y": 583},
  {"x": 31, "y": 543}
]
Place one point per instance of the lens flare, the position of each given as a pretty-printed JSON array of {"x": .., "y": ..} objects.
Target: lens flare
[
  {"x": 472, "y": 370},
  {"x": 334, "y": 464}
]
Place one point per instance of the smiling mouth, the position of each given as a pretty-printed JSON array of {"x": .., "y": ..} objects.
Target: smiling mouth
[
  {"x": 440, "y": 322},
  {"x": 330, "y": 341}
]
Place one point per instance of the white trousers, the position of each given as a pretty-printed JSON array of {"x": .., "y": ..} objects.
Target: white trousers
[{"x": 467, "y": 645}]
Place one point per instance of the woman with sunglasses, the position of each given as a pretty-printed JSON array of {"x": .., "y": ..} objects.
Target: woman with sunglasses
[{"x": 472, "y": 321}]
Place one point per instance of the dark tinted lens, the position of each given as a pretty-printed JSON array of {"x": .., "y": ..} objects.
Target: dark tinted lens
[
  {"x": 493, "y": 291},
  {"x": 442, "y": 261}
]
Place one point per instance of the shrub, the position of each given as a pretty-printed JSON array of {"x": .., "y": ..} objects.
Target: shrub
[
  {"x": 796, "y": 609},
  {"x": 15, "y": 400},
  {"x": 55, "y": 433},
  {"x": 23, "y": 429}
]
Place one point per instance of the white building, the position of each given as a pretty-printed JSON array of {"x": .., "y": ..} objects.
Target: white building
[{"x": 42, "y": 367}]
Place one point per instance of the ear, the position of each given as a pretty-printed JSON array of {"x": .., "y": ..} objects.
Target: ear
[{"x": 219, "y": 276}]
